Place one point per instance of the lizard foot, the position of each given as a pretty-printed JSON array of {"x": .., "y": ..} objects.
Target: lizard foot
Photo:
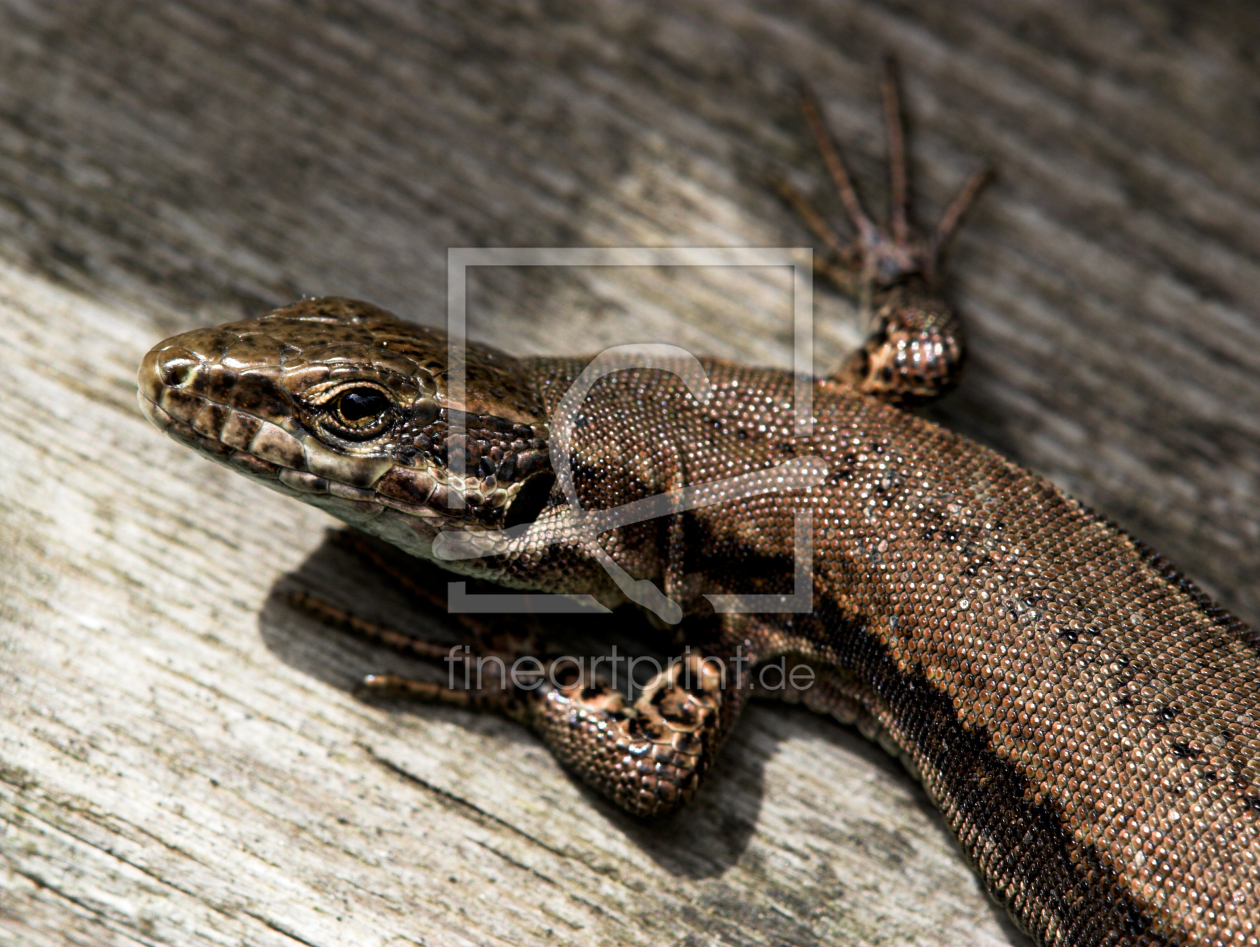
[
  {"x": 915, "y": 351},
  {"x": 648, "y": 756}
]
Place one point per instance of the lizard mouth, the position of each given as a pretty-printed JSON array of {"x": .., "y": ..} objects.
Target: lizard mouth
[{"x": 175, "y": 395}]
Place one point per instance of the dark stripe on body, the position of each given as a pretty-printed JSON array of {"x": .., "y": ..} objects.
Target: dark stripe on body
[{"x": 1046, "y": 880}]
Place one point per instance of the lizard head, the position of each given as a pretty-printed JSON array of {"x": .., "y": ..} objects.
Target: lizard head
[{"x": 344, "y": 405}]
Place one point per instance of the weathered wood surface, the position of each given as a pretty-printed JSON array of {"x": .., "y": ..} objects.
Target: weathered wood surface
[{"x": 181, "y": 759}]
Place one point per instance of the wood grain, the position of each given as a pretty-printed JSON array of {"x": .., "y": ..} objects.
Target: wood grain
[{"x": 182, "y": 759}]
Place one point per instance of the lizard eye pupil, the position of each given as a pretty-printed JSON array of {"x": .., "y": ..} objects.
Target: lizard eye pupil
[
  {"x": 361, "y": 404},
  {"x": 358, "y": 413}
]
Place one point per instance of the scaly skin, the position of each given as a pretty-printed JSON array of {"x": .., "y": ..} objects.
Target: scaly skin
[{"x": 1087, "y": 720}]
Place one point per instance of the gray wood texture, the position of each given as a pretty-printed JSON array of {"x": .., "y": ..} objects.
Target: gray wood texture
[{"x": 182, "y": 760}]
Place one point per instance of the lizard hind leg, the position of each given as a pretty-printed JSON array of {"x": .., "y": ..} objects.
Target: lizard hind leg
[{"x": 915, "y": 350}]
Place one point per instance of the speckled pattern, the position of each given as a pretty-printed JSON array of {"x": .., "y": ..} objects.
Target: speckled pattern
[{"x": 1087, "y": 720}]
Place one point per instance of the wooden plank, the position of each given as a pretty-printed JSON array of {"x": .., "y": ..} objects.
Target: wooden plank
[{"x": 181, "y": 757}]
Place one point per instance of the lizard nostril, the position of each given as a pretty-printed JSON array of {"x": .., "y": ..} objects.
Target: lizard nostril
[{"x": 178, "y": 369}]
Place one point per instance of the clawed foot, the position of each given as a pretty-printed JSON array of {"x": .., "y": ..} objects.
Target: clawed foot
[
  {"x": 915, "y": 351},
  {"x": 647, "y": 755},
  {"x": 877, "y": 256}
]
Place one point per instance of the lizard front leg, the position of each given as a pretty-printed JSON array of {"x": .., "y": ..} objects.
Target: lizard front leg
[
  {"x": 647, "y": 755},
  {"x": 650, "y": 756},
  {"x": 915, "y": 352}
]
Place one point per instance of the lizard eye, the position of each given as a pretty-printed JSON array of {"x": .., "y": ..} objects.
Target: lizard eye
[{"x": 360, "y": 412}]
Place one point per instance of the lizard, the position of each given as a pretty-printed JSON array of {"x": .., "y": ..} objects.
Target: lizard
[{"x": 1085, "y": 717}]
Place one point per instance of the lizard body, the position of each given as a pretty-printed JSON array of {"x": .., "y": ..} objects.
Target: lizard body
[{"x": 1087, "y": 720}]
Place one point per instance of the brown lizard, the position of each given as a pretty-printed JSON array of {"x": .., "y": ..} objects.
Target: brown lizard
[{"x": 1086, "y": 718}]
